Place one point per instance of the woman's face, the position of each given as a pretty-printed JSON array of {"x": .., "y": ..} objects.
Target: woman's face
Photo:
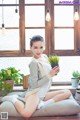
[{"x": 37, "y": 49}]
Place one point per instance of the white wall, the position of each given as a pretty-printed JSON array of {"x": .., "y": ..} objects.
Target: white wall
[
  {"x": 17, "y": 62},
  {"x": 67, "y": 65}
]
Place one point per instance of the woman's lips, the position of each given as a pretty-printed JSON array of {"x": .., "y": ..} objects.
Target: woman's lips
[{"x": 38, "y": 54}]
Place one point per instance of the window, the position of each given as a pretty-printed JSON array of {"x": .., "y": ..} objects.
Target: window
[
  {"x": 65, "y": 35},
  {"x": 63, "y": 39},
  {"x": 9, "y": 39},
  {"x": 9, "y": 36},
  {"x": 20, "y": 26},
  {"x": 34, "y": 22},
  {"x": 61, "y": 34}
]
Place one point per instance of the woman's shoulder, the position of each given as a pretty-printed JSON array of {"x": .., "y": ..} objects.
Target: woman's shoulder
[{"x": 33, "y": 62}]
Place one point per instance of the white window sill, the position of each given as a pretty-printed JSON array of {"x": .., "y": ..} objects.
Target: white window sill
[
  {"x": 55, "y": 87},
  {"x": 69, "y": 87},
  {"x": 52, "y": 88}
]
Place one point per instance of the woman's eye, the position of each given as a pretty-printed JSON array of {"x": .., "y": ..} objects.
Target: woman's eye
[{"x": 41, "y": 47}]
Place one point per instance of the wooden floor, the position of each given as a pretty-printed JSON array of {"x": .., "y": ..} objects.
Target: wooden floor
[{"x": 74, "y": 117}]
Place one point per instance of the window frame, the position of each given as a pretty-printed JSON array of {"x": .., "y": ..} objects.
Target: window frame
[
  {"x": 49, "y": 32},
  {"x": 76, "y": 51}
]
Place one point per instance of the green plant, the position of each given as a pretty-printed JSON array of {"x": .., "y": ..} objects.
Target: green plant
[
  {"x": 75, "y": 78},
  {"x": 10, "y": 73},
  {"x": 53, "y": 60},
  {"x": 76, "y": 74}
]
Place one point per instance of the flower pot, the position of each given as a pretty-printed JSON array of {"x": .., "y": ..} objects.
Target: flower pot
[
  {"x": 9, "y": 84},
  {"x": 53, "y": 65},
  {"x": 75, "y": 82}
]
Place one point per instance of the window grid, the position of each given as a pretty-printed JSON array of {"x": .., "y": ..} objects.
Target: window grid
[{"x": 49, "y": 29}]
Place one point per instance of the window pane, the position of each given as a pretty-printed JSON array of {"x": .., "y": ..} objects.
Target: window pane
[
  {"x": 63, "y": 16},
  {"x": 9, "y": 39},
  {"x": 32, "y": 32},
  {"x": 11, "y": 19},
  {"x": 9, "y": 1},
  {"x": 34, "y": 1},
  {"x": 35, "y": 16},
  {"x": 64, "y": 39},
  {"x": 56, "y": 1}
]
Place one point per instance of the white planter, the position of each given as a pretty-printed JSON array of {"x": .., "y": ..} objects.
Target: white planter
[{"x": 75, "y": 82}]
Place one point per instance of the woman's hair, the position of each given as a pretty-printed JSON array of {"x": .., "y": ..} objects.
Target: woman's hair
[{"x": 35, "y": 39}]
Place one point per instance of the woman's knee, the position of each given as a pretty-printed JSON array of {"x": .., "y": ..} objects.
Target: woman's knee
[
  {"x": 68, "y": 92},
  {"x": 30, "y": 106},
  {"x": 27, "y": 114}
]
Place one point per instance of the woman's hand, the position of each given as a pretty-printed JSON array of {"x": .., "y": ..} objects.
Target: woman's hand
[{"x": 54, "y": 71}]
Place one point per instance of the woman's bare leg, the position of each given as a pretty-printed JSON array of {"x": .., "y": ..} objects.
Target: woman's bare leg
[
  {"x": 30, "y": 105},
  {"x": 58, "y": 95}
]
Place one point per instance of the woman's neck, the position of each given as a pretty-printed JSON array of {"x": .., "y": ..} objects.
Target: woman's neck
[{"x": 37, "y": 57}]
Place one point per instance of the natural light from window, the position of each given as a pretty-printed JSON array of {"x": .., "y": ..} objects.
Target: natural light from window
[
  {"x": 64, "y": 39},
  {"x": 9, "y": 39},
  {"x": 32, "y": 18},
  {"x": 34, "y": 1},
  {"x": 63, "y": 16}
]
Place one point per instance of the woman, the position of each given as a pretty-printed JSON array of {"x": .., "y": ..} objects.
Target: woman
[{"x": 40, "y": 80}]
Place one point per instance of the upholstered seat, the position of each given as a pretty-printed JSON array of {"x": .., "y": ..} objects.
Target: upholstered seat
[{"x": 65, "y": 107}]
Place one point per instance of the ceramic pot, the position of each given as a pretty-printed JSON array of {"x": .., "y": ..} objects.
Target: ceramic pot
[
  {"x": 53, "y": 65},
  {"x": 75, "y": 82},
  {"x": 9, "y": 84}
]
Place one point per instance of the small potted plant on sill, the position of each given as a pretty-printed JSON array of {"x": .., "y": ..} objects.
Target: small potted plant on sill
[
  {"x": 75, "y": 78},
  {"x": 8, "y": 77},
  {"x": 53, "y": 60}
]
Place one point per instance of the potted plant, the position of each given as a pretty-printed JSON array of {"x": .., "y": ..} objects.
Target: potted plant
[
  {"x": 8, "y": 77},
  {"x": 75, "y": 78},
  {"x": 53, "y": 60}
]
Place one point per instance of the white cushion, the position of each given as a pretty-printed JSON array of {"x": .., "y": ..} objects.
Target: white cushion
[{"x": 65, "y": 107}]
